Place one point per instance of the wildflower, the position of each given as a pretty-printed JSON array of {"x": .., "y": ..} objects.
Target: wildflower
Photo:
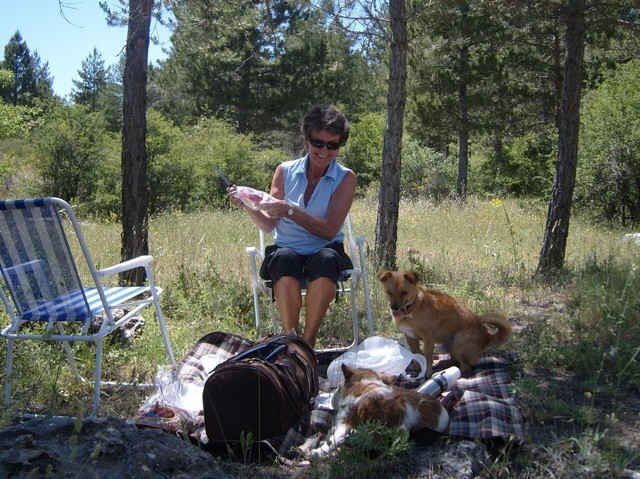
[{"x": 496, "y": 202}]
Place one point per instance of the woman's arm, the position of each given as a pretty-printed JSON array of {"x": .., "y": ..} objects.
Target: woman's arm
[
  {"x": 337, "y": 210},
  {"x": 260, "y": 218}
]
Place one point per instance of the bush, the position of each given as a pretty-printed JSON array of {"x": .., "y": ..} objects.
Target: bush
[
  {"x": 363, "y": 151},
  {"x": 75, "y": 153},
  {"x": 171, "y": 179},
  {"x": 608, "y": 177},
  {"x": 527, "y": 167},
  {"x": 425, "y": 172},
  {"x": 18, "y": 121},
  {"x": 185, "y": 173}
]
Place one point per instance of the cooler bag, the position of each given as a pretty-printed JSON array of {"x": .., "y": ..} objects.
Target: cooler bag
[{"x": 260, "y": 393}]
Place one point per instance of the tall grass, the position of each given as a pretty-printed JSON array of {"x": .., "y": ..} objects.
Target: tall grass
[{"x": 484, "y": 252}]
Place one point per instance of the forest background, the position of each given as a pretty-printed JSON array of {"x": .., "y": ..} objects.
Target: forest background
[{"x": 239, "y": 77}]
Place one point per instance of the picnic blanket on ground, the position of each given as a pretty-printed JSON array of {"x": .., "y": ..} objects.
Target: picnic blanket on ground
[{"x": 481, "y": 406}]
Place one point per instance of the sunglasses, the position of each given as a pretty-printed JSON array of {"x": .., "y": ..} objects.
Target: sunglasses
[{"x": 321, "y": 144}]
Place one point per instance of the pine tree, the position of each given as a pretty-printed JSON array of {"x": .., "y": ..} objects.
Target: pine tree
[
  {"x": 93, "y": 81},
  {"x": 31, "y": 77}
]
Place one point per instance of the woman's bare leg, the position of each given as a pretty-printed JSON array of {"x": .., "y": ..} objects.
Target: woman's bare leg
[
  {"x": 288, "y": 301},
  {"x": 320, "y": 293}
]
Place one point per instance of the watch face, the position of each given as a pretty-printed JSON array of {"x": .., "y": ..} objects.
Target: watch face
[{"x": 290, "y": 212}]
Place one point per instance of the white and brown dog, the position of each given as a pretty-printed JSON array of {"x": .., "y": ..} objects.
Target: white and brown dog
[{"x": 368, "y": 395}]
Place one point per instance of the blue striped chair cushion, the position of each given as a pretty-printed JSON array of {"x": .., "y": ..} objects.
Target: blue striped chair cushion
[{"x": 72, "y": 307}]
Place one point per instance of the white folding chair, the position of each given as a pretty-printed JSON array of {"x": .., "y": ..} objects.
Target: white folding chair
[
  {"x": 45, "y": 298},
  {"x": 349, "y": 282}
]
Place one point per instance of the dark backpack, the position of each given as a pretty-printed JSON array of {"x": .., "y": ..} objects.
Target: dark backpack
[{"x": 260, "y": 393}]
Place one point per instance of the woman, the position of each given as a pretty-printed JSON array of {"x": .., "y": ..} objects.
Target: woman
[{"x": 313, "y": 196}]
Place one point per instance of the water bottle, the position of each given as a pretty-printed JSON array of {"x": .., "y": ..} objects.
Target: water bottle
[
  {"x": 440, "y": 381},
  {"x": 167, "y": 385}
]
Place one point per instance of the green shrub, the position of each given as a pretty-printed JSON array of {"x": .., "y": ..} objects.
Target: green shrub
[
  {"x": 18, "y": 121},
  {"x": 599, "y": 336},
  {"x": 171, "y": 179},
  {"x": 425, "y": 172},
  {"x": 186, "y": 172},
  {"x": 73, "y": 148},
  {"x": 363, "y": 151},
  {"x": 608, "y": 177},
  {"x": 526, "y": 169}
]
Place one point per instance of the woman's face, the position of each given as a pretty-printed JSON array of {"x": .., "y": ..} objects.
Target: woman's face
[{"x": 323, "y": 147}]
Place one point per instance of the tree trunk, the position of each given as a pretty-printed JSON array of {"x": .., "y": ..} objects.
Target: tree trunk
[
  {"x": 135, "y": 195},
  {"x": 498, "y": 149},
  {"x": 389, "y": 198},
  {"x": 557, "y": 226},
  {"x": 557, "y": 75},
  {"x": 463, "y": 129}
]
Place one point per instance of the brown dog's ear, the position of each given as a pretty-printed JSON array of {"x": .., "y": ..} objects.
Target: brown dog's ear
[
  {"x": 347, "y": 371},
  {"x": 412, "y": 277},
  {"x": 384, "y": 275}
]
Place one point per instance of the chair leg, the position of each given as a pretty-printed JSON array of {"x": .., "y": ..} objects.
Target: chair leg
[
  {"x": 96, "y": 376},
  {"x": 275, "y": 318},
  {"x": 66, "y": 345},
  {"x": 367, "y": 293},
  {"x": 354, "y": 314},
  {"x": 165, "y": 335},
  {"x": 9, "y": 369},
  {"x": 256, "y": 307}
]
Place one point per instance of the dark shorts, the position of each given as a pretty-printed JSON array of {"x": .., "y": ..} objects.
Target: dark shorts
[{"x": 328, "y": 262}]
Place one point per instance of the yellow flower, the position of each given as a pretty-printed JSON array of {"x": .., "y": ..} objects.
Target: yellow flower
[{"x": 496, "y": 202}]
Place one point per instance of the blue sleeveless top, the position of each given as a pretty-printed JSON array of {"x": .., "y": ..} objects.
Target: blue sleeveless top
[{"x": 287, "y": 232}]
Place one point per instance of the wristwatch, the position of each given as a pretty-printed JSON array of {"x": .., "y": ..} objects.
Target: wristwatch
[{"x": 290, "y": 210}]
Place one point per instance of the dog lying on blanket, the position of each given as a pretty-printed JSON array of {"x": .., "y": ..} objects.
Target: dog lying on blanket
[
  {"x": 435, "y": 317},
  {"x": 368, "y": 395}
]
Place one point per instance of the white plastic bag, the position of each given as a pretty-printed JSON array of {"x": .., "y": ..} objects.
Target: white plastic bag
[
  {"x": 253, "y": 198},
  {"x": 380, "y": 354},
  {"x": 171, "y": 391}
]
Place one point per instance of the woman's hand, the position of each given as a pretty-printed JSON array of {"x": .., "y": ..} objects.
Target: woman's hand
[
  {"x": 231, "y": 191},
  {"x": 275, "y": 209}
]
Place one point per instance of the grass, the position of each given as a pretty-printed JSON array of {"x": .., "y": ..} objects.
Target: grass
[{"x": 575, "y": 356}]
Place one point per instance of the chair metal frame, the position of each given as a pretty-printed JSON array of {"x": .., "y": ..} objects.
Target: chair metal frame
[
  {"x": 92, "y": 303},
  {"x": 349, "y": 281}
]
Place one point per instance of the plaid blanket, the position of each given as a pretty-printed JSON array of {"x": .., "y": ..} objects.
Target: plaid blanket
[
  {"x": 210, "y": 350},
  {"x": 481, "y": 406}
]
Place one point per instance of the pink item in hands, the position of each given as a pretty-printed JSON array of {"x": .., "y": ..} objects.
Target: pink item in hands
[{"x": 253, "y": 198}]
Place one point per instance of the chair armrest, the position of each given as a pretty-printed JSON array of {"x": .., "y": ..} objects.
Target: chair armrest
[
  {"x": 138, "y": 262},
  {"x": 254, "y": 252}
]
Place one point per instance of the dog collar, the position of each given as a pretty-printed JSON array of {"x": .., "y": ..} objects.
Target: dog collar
[{"x": 407, "y": 307}]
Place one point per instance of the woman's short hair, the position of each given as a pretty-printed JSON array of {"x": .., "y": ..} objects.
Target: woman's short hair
[{"x": 326, "y": 117}]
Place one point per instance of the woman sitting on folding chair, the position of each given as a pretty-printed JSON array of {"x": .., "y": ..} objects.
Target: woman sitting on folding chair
[{"x": 313, "y": 197}]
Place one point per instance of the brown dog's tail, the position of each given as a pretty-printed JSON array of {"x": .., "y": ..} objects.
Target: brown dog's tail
[{"x": 501, "y": 324}]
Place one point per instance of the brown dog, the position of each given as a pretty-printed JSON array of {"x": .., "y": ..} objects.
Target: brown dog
[{"x": 435, "y": 317}]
